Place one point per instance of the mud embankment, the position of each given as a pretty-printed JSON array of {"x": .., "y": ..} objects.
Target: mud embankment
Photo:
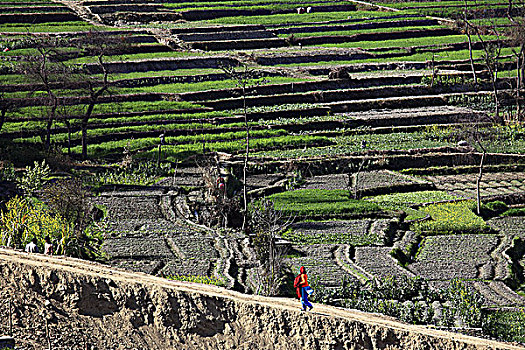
[{"x": 79, "y": 305}]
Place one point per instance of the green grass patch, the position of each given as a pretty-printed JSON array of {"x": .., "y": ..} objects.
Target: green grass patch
[
  {"x": 197, "y": 279},
  {"x": 409, "y": 42},
  {"x": 140, "y": 56},
  {"x": 135, "y": 144},
  {"x": 450, "y": 218},
  {"x": 352, "y": 143},
  {"x": 318, "y": 202},
  {"x": 166, "y": 73},
  {"x": 403, "y": 201},
  {"x": 354, "y": 235},
  {"x": 244, "y": 5},
  {"x": 364, "y": 31},
  {"x": 419, "y": 57},
  {"x": 50, "y": 27},
  {"x": 209, "y": 85},
  {"x": 514, "y": 212},
  {"x": 291, "y": 18}
]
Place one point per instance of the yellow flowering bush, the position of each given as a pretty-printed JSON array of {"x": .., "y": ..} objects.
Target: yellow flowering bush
[
  {"x": 23, "y": 219},
  {"x": 448, "y": 218}
]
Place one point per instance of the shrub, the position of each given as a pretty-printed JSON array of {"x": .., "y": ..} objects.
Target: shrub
[
  {"x": 68, "y": 198},
  {"x": 34, "y": 177},
  {"x": 409, "y": 299},
  {"x": 514, "y": 212},
  {"x": 7, "y": 171},
  {"x": 24, "y": 219},
  {"x": 508, "y": 325},
  {"x": 465, "y": 303},
  {"x": 138, "y": 173},
  {"x": 495, "y": 208}
]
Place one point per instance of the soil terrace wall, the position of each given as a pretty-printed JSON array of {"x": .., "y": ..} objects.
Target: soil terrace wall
[
  {"x": 114, "y": 309},
  {"x": 37, "y": 17}
]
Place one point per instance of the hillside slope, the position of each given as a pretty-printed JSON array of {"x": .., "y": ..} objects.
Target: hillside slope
[{"x": 83, "y": 305}]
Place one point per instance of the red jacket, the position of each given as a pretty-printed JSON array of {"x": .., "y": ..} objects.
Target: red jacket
[{"x": 303, "y": 281}]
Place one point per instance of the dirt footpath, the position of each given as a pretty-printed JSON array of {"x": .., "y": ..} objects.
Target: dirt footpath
[{"x": 65, "y": 303}]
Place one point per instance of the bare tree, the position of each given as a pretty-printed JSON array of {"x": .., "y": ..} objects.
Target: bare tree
[
  {"x": 48, "y": 72},
  {"x": 468, "y": 33},
  {"x": 266, "y": 223},
  {"x": 219, "y": 208},
  {"x": 516, "y": 34},
  {"x": 479, "y": 136},
  {"x": 491, "y": 52},
  {"x": 245, "y": 81},
  {"x": 98, "y": 45},
  {"x": 354, "y": 170}
]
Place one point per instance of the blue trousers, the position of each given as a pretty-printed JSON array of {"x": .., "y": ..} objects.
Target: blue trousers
[{"x": 304, "y": 298}]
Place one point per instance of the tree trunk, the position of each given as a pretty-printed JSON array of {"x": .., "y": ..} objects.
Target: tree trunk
[
  {"x": 471, "y": 58},
  {"x": 478, "y": 183},
  {"x": 2, "y": 118},
  {"x": 68, "y": 126},
  {"x": 495, "y": 90},
  {"x": 48, "y": 132},
  {"x": 246, "y": 155},
  {"x": 84, "y": 126},
  {"x": 519, "y": 80},
  {"x": 467, "y": 32}
]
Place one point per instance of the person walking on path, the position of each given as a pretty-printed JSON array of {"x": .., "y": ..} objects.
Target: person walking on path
[
  {"x": 31, "y": 247},
  {"x": 303, "y": 289},
  {"x": 48, "y": 246}
]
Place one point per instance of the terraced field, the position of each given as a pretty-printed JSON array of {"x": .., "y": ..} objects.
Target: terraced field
[{"x": 367, "y": 99}]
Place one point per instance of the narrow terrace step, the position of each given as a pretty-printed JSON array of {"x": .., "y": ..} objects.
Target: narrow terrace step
[
  {"x": 391, "y": 102},
  {"x": 165, "y": 64},
  {"x": 273, "y": 59},
  {"x": 31, "y": 9},
  {"x": 125, "y": 114},
  {"x": 414, "y": 116},
  {"x": 152, "y": 81},
  {"x": 200, "y": 15},
  {"x": 217, "y": 29},
  {"x": 340, "y": 21},
  {"x": 438, "y": 47},
  {"x": 396, "y": 160},
  {"x": 112, "y": 8},
  {"x": 38, "y": 17},
  {"x": 368, "y": 67},
  {"x": 342, "y": 258},
  {"x": 130, "y": 33},
  {"x": 503, "y": 290},
  {"x": 382, "y": 122},
  {"x": 344, "y": 27},
  {"x": 348, "y": 99},
  {"x": 337, "y": 39},
  {"x": 118, "y": 18},
  {"x": 146, "y": 97},
  {"x": 227, "y": 35},
  {"x": 248, "y": 44},
  {"x": 126, "y": 135},
  {"x": 307, "y": 86}
]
